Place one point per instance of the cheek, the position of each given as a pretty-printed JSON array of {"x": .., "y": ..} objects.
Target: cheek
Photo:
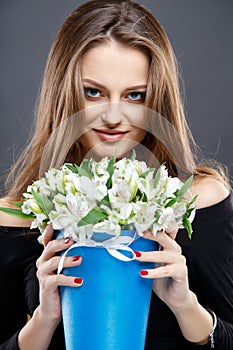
[
  {"x": 139, "y": 134},
  {"x": 93, "y": 114},
  {"x": 139, "y": 122},
  {"x": 136, "y": 115},
  {"x": 86, "y": 140}
]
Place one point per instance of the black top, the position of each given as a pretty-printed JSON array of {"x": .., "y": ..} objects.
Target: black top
[{"x": 209, "y": 257}]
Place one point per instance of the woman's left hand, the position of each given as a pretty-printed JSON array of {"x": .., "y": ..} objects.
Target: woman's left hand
[{"x": 170, "y": 274}]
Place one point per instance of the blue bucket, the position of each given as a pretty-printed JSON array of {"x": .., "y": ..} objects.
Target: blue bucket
[{"x": 110, "y": 310}]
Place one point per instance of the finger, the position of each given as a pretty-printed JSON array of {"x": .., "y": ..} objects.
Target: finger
[
  {"x": 175, "y": 271},
  {"x": 51, "y": 265},
  {"x": 55, "y": 246},
  {"x": 71, "y": 281},
  {"x": 172, "y": 234},
  {"x": 48, "y": 234},
  {"x": 163, "y": 239},
  {"x": 164, "y": 257},
  {"x": 149, "y": 235},
  {"x": 62, "y": 280}
]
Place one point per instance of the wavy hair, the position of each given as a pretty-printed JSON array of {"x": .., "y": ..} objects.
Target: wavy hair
[{"x": 61, "y": 95}]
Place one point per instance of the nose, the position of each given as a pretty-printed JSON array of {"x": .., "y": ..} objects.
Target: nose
[{"x": 112, "y": 115}]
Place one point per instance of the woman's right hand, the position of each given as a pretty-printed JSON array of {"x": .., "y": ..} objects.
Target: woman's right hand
[{"x": 49, "y": 280}]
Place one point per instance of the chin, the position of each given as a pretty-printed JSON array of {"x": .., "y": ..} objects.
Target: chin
[{"x": 119, "y": 149}]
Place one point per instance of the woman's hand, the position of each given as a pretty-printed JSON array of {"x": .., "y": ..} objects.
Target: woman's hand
[
  {"x": 49, "y": 280},
  {"x": 170, "y": 274}
]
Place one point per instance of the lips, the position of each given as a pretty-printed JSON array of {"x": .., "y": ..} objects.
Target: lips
[{"x": 110, "y": 135}]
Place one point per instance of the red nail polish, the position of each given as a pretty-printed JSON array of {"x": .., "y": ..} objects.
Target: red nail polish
[
  {"x": 76, "y": 258},
  {"x": 78, "y": 280},
  {"x": 67, "y": 239},
  {"x": 143, "y": 273},
  {"x": 138, "y": 254}
]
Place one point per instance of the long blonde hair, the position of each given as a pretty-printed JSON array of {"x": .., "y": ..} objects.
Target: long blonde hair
[{"x": 62, "y": 96}]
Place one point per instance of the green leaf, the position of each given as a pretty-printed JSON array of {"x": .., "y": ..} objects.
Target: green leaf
[
  {"x": 18, "y": 204},
  {"x": 38, "y": 200},
  {"x": 187, "y": 225},
  {"x": 43, "y": 202},
  {"x": 17, "y": 213},
  {"x": 171, "y": 202},
  {"x": 144, "y": 175},
  {"x": 48, "y": 204},
  {"x": 95, "y": 215},
  {"x": 181, "y": 192},
  {"x": 157, "y": 176},
  {"x": 133, "y": 156},
  {"x": 85, "y": 168},
  {"x": 72, "y": 167},
  {"x": 105, "y": 201},
  {"x": 188, "y": 212},
  {"x": 144, "y": 198},
  {"x": 110, "y": 170},
  {"x": 193, "y": 200}
]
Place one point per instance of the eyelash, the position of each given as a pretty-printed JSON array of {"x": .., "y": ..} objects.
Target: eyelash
[
  {"x": 90, "y": 90},
  {"x": 142, "y": 96},
  {"x": 87, "y": 90}
]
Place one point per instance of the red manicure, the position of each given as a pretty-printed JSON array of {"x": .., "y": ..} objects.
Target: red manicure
[
  {"x": 143, "y": 273},
  {"x": 138, "y": 254},
  {"x": 76, "y": 258},
  {"x": 67, "y": 239},
  {"x": 78, "y": 280}
]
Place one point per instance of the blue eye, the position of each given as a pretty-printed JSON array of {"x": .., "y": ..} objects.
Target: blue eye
[
  {"x": 92, "y": 92},
  {"x": 137, "y": 96}
]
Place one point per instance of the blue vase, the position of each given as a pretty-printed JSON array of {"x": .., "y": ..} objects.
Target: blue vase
[{"x": 110, "y": 310}]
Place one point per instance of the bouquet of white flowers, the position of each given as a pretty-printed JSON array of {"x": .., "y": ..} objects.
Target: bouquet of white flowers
[{"x": 107, "y": 196}]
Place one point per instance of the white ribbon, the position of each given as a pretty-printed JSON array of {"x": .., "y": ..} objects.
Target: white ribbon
[{"x": 112, "y": 245}]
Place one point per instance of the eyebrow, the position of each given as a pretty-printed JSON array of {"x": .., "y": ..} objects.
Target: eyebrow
[{"x": 93, "y": 82}]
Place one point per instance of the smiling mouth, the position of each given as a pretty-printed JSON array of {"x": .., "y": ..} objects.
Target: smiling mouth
[{"x": 110, "y": 135}]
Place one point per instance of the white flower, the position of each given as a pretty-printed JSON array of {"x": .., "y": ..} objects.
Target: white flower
[
  {"x": 109, "y": 226},
  {"x": 172, "y": 184},
  {"x": 54, "y": 180},
  {"x": 124, "y": 182},
  {"x": 166, "y": 218},
  {"x": 119, "y": 194},
  {"x": 92, "y": 189},
  {"x": 179, "y": 210},
  {"x": 146, "y": 186},
  {"x": 159, "y": 191},
  {"x": 101, "y": 175},
  {"x": 30, "y": 206},
  {"x": 107, "y": 196},
  {"x": 77, "y": 205},
  {"x": 144, "y": 216},
  {"x": 69, "y": 210},
  {"x": 39, "y": 222},
  {"x": 120, "y": 216}
]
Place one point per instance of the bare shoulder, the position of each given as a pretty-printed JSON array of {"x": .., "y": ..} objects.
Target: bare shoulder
[
  {"x": 210, "y": 191},
  {"x": 9, "y": 220}
]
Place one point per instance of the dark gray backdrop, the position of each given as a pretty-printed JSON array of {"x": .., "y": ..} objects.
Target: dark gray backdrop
[{"x": 200, "y": 31}]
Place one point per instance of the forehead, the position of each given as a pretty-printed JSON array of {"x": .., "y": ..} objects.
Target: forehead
[{"x": 114, "y": 61}]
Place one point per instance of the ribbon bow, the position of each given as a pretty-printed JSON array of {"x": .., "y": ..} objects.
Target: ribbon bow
[{"x": 112, "y": 245}]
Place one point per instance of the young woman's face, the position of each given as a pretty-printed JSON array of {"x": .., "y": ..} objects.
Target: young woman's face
[{"x": 114, "y": 79}]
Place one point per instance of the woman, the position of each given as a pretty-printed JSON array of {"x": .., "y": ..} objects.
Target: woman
[{"x": 116, "y": 54}]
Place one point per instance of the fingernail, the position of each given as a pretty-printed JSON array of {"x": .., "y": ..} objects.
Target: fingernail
[
  {"x": 143, "y": 273},
  {"x": 66, "y": 240},
  {"x": 76, "y": 258},
  {"x": 78, "y": 280},
  {"x": 138, "y": 254}
]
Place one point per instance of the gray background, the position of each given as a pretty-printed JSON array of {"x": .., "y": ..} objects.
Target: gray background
[{"x": 201, "y": 33}]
